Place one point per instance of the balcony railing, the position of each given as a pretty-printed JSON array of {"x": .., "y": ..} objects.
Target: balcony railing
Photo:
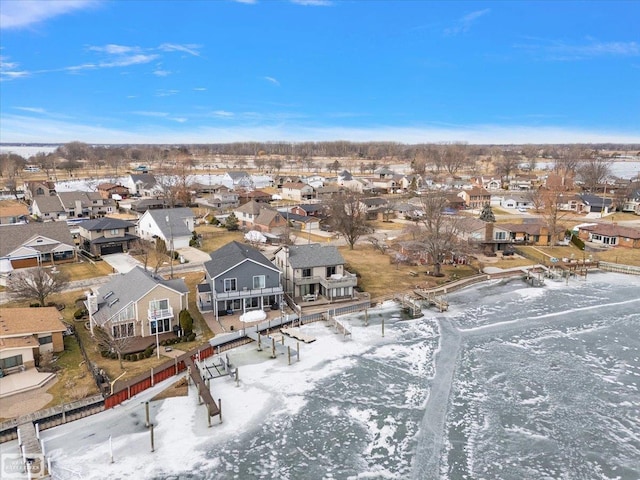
[
  {"x": 160, "y": 313},
  {"x": 248, "y": 292},
  {"x": 346, "y": 280}
]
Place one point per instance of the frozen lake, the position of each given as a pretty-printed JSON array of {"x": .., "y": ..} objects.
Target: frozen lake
[{"x": 512, "y": 383}]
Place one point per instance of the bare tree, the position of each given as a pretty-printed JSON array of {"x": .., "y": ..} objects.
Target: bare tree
[
  {"x": 349, "y": 217},
  {"x": 552, "y": 210},
  {"x": 439, "y": 230},
  {"x": 118, "y": 344},
  {"x": 536, "y": 197},
  {"x": 36, "y": 283},
  {"x": 507, "y": 163},
  {"x": 143, "y": 248},
  {"x": 594, "y": 172},
  {"x": 454, "y": 157}
]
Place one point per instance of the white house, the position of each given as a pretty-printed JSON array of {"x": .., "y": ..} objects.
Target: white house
[{"x": 173, "y": 225}]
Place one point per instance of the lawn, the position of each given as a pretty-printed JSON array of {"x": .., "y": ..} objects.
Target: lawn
[
  {"x": 215, "y": 237},
  {"x": 379, "y": 277},
  {"x": 85, "y": 269},
  {"x": 74, "y": 380},
  {"x": 625, "y": 256}
]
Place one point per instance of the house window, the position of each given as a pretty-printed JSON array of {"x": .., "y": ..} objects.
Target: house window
[
  {"x": 114, "y": 231},
  {"x": 258, "y": 281},
  {"x": 331, "y": 271},
  {"x": 162, "y": 326},
  {"x": 500, "y": 235},
  {"x": 10, "y": 362},
  {"x": 45, "y": 340},
  {"x": 123, "y": 330},
  {"x": 306, "y": 272},
  {"x": 230, "y": 284},
  {"x": 127, "y": 313},
  {"x": 158, "y": 307}
]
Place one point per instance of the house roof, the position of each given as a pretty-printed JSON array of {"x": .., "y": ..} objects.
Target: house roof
[
  {"x": 252, "y": 208},
  {"x": 311, "y": 208},
  {"x": 176, "y": 226},
  {"x": 27, "y": 341},
  {"x": 314, "y": 255},
  {"x": 146, "y": 179},
  {"x": 48, "y": 203},
  {"x": 13, "y": 236},
  {"x": 532, "y": 228},
  {"x": 594, "y": 200},
  {"x": 121, "y": 290},
  {"x": 375, "y": 201},
  {"x": 105, "y": 223},
  {"x": 110, "y": 186},
  {"x": 69, "y": 199},
  {"x": 612, "y": 230},
  {"x": 232, "y": 254},
  {"x": 235, "y": 176},
  {"x": 26, "y": 321},
  {"x": 296, "y": 186},
  {"x": 266, "y": 216}
]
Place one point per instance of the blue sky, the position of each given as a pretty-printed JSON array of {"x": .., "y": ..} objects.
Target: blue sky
[{"x": 312, "y": 70}]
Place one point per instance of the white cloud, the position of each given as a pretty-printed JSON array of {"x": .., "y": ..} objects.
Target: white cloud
[
  {"x": 166, "y": 93},
  {"x": 9, "y": 70},
  {"x": 246, "y": 2},
  {"x": 191, "y": 49},
  {"x": 463, "y": 25},
  {"x": 24, "y": 13},
  {"x": 313, "y": 3},
  {"x": 31, "y": 109},
  {"x": 145, "y": 113},
  {"x": 161, "y": 73},
  {"x": 113, "y": 49},
  {"x": 562, "y": 51},
  {"x": 20, "y": 128},
  {"x": 200, "y": 89},
  {"x": 272, "y": 80},
  {"x": 222, "y": 113}
]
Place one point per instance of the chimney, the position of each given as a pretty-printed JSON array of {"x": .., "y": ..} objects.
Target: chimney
[
  {"x": 92, "y": 307},
  {"x": 488, "y": 235},
  {"x": 78, "y": 207}
]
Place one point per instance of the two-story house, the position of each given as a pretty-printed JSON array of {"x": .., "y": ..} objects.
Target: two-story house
[
  {"x": 239, "y": 278},
  {"x": 108, "y": 190},
  {"x": 297, "y": 191},
  {"x": 174, "y": 226},
  {"x": 220, "y": 198},
  {"x": 142, "y": 184},
  {"x": 315, "y": 271},
  {"x": 104, "y": 236},
  {"x": 38, "y": 188},
  {"x": 475, "y": 198},
  {"x": 86, "y": 204},
  {"x": 137, "y": 304}
]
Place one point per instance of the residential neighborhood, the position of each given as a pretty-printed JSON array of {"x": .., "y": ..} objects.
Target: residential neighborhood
[{"x": 154, "y": 260}]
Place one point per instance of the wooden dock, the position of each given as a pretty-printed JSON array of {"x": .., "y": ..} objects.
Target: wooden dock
[
  {"x": 31, "y": 449},
  {"x": 298, "y": 335},
  {"x": 338, "y": 324},
  {"x": 274, "y": 343},
  {"x": 410, "y": 304},
  {"x": 203, "y": 389},
  {"x": 432, "y": 299}
]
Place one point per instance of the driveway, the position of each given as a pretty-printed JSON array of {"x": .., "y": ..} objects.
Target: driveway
[
  {"x": 193, "y": 255},
  {"x": 121, "y": 262}
]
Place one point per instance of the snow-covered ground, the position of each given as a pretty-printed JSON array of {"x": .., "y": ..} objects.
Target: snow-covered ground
[{"x": 512, "y": 383}]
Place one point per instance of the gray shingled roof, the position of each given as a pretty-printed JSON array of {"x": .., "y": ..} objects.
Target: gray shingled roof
[
  {"x": 105, "y": 223},
  {"x": 146, "y": 179},
  {"x": 48, "y": 203},
  {"x": 232, "y": 254},
  {"x": 12, "y": 236},
  {"x": 314, "y": 255},
  {"x": 176, "y": 221},
  {"x": 69, "y": 199},
  {"x": 128, "y": 288}
]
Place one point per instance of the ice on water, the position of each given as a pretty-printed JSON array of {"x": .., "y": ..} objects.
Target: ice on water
[{"x": 512, "y": 382}]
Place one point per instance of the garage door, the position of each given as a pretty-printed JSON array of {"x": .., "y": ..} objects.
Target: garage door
[
  {"x": 112, "y": 249},
  {"x": 24, "y": 263}
]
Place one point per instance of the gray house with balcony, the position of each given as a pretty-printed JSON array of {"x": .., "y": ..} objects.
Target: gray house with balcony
[
  {"x": 238, "y": 279},
  {"x": 315, "y": 271}
]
